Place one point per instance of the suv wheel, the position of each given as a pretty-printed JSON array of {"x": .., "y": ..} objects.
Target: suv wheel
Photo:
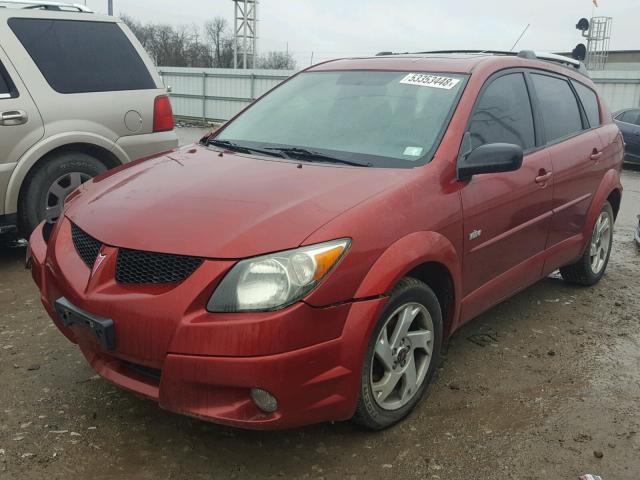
[
  {"x": 403, "y": 353},
  {"x": 50, "y": 183},
  {"x": 593, "y": 263}
]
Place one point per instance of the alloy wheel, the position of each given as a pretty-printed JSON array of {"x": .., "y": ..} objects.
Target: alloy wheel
[
  {"x": 402, "y": 356},
  {"x": 59, "y": 191},
  {"x": 600, "y": 242}
]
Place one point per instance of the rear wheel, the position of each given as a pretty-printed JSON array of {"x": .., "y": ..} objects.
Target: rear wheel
[
  {"x": 47, "y": 187},
  {"x": 402, "y": 356},
  {"x": 593, "y": 263}
]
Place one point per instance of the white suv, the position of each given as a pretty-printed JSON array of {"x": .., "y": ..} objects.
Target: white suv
[{"x": 78, "y": 95}]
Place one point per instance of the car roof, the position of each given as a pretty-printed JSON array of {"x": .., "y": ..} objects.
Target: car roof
[
  {"x": 7, "y": 13},
  {"x": 455, "y": 62}
]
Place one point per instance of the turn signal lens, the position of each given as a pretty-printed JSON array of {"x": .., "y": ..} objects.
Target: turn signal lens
[{"x": 325, "y": 260}]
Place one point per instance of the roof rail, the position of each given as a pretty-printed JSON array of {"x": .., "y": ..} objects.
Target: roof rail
[
  {"x": 45, "y": 5},
  {"x": 555, "y": 58},
  {"x": 490, "y": 52},
  {"x": 529, "y": 54}
]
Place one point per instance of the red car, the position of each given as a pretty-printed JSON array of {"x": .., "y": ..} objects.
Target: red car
[{"x": 306, "y": 262}]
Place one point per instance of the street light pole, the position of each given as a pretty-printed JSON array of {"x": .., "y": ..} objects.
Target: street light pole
[{"x": 110, "y": 9}]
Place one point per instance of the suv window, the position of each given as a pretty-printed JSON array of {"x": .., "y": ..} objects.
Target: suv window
[
  {"x": 79, "y": 56},
  {"x": 503, "y": 114},
  {"x": 589, "y": 102},
  {"x": 630, "y": 116},
  {"x": 7, "y": 88},
  {"x": 558, "y": 105}
]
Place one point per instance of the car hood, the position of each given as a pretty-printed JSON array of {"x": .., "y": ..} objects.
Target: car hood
[{"x": 197, "y": 202}]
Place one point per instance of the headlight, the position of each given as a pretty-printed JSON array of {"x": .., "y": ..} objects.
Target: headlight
[{"x": 274, "y": 281}]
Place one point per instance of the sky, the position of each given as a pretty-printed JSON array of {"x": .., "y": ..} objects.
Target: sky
[{"x": 337, "y": 28}]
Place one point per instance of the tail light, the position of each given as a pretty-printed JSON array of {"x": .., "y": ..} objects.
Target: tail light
[{"x": 162, "y": 114}]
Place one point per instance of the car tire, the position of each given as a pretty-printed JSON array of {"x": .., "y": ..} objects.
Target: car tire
[
  {"x": 50, "y": 182},
  {"x": 591, "y": 267},
  {"x": 377, "y": 408}
]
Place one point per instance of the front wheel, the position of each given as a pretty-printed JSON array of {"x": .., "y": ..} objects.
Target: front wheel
[
  {"x": 402, "y": 356},
  {"x": 593, "y": 263},
  {"x": 48, "y": 185}
]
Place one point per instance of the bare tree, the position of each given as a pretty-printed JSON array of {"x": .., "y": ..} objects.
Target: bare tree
[
  {"x": 277, "y": 61},
  {"x": 189, "y": 46},
  {"x": 216, "y": 33}
]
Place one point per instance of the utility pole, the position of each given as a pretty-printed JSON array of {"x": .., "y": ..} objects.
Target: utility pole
[{"x": 110, "y": 7}]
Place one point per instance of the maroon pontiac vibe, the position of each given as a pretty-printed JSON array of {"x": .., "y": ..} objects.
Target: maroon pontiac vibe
[{"x": 306, "y": 262}]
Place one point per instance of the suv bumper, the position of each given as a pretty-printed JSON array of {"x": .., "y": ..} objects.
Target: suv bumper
[
  {"x": 309, "y": 358},
  {"x": 149, "y": 144}
]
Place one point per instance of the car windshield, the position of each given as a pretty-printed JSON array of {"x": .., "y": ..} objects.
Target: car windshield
[{"x": 369, "y": 118}]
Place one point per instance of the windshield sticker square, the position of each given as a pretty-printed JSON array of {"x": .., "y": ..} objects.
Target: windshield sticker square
[{"x": 413, "y": 151}]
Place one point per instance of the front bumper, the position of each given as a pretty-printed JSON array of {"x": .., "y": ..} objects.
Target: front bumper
[{"x": 169, "y": 349}]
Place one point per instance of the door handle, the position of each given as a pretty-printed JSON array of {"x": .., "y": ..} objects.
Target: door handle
[
  {"x": 13, "y": 117},
  {"x": 544, "y": 178},
  {"x": 596, "y": 155}
]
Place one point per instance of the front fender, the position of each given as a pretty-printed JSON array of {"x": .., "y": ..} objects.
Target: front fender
[
  {"x": 40, "y": 149},
  {"x": 405, "y": 255}
]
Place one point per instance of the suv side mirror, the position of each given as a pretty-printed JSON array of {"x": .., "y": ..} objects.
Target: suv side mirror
[{"x": 490, "y": 158}]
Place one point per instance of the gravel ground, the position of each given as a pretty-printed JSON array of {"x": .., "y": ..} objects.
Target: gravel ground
[{"x": 545, "y": 385}]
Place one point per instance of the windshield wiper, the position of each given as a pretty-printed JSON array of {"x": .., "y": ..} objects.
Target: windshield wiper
[
  {"x": 243, "y": 149},
  {"x": 304, "y": 154}
]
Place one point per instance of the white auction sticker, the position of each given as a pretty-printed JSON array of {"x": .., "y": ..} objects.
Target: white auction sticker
[{"x": 434, "y": 81}]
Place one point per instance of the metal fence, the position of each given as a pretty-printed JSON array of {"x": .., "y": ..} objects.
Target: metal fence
[
  {"x": 216, "y": 94},
  {"x": 620, "y": 89}
]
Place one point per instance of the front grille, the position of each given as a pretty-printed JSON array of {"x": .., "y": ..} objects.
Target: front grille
[
  {"x": 86, "y": 246},
  {"x": 137, "y": 267}
]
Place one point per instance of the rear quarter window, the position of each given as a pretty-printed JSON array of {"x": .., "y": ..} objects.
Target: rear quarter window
[
  {"x": 558, "y": 106},
  {"x": 589, "y": 101},
  {"x": 7, "y": 88},
  {"x": 78, "y": 56}
]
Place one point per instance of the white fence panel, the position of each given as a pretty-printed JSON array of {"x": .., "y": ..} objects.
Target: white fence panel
[
  {"x": 217, "y": 94},
  {"x": 620, "y": 89}
]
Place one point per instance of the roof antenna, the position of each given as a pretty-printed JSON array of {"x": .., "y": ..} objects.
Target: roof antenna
[{"x": 520, "y": 37}]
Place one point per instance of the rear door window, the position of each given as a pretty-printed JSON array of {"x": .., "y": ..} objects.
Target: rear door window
[
  {"x": 589, "y": 101},
  {"x": 630, "y": 116},
  {"x": 78, "y": 56},
  {"x": 503, "y": 114},
  {"x": 558, "y": 106}
]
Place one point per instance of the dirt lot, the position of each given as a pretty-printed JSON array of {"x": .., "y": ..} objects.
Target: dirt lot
[{"x": 546, "y": 385}]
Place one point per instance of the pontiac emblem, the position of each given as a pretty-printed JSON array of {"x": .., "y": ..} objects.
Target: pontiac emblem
[{"x": 96, "y": 265}]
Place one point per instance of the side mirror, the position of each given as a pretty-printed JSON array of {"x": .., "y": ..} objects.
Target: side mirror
[{"x": 490, "y": 158}]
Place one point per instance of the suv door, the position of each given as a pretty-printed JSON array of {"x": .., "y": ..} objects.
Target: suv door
[
  {"x": 576, "y": 151},
  {"x": 629, "y": 124},
  {"x": 20, "y": 123},
  {"x": 506, "y": 215}
]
